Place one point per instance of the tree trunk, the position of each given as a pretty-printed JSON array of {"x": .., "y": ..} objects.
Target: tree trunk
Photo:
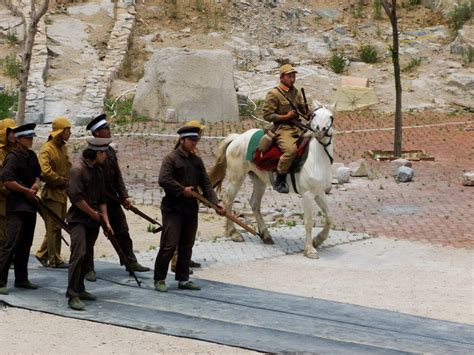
[
  {"x": 32, "y": 27},
  {"x": 391, "y": 11}
]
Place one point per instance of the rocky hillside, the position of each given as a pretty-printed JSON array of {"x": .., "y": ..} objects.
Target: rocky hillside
[{"x": 88, "y": 58}]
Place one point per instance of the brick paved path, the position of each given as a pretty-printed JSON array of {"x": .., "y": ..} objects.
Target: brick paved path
[
  {"x": 434, "y": 208},
  {"x": 288, "y": 240}
]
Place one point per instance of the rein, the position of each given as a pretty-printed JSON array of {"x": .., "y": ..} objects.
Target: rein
[{"x": 326, "y": 145}]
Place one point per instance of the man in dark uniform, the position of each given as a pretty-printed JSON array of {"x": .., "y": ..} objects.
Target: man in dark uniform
[
  {"x": 86, "y": 190},
  {"x": 21, "y": 175},
  {"x": 115, "y": 187},
  {"x": 7, "y": 144},
  {"x": 181, "y": 172},
  {"x": 278, "y": 110}
]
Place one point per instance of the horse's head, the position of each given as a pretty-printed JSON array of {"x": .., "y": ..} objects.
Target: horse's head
[{"x": 321, "y": 123}]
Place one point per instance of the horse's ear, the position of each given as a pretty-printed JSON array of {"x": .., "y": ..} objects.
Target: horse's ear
[{"x": 317, "y": 104}]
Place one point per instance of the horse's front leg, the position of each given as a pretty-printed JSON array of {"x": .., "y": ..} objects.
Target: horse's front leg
[
  {"x": 323, "y": 235},
  {"x": 308, "y": 204},
  {"x": 256, "y": 203}
]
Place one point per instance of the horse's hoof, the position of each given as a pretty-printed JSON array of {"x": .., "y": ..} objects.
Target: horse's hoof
[
  {"x": 237, "y": 238},
  {"x": 268, "y": 241},
  {"x": 318, "y": 240},
  {"x": 312, "y": 254}
]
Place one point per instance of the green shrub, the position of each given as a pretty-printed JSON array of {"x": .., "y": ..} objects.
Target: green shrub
[
  {"x": 8, "y": 103},
  {"x": 468, "y": 57},
  {"x": 337, "y": 62},
  {"x": 122, "y": 111},
  {"x": 368, "y": 53},
  {"x": 199, "y": 5},
  {"x": 414, "y": 63},
  {"x": 11, "y": 66},
  {"x": 460, "y": 14},
  {"x": 251, "y": 108},
  {"x": 411, "y": 4},
  {"x": 12, "y": 38},
  {"x": 377, "y": 9}
]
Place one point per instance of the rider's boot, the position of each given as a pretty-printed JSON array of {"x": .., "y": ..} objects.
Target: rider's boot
[{"x": 280, "y": 184}]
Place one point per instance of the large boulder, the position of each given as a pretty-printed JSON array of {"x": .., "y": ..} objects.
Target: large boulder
[{"x": 197, "y": 84}]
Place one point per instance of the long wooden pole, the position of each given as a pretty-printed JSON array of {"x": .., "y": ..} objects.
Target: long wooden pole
[
  {"x": 227, "y": 214},
  {"x": 136, "y": 211}
]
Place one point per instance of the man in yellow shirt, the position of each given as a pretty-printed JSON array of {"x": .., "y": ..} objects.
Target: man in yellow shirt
[
  {"x": 7, "y": 144},
  {"x": 55, "y": 165}
]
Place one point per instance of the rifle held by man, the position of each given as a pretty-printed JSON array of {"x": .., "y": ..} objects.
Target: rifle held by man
[
  {"x": 137, "y": 212},
  {"x": 113, "y": 240},
  {"x": 44, "y": 209},
  {"x": 227, "y": 214}
]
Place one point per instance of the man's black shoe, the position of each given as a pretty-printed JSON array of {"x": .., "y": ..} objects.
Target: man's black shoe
[
  {"x": 280, "y": 184},
  {"x": 194, "y": 264},
  {"x": 26, "y": 284},
  {"x": 43, "y": 262},
  {"x": 139, "y": 268}
]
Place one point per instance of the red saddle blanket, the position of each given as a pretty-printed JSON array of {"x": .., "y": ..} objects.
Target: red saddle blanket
[{"x": 268, "y": 161}]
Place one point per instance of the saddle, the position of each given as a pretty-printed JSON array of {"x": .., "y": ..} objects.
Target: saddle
[{"x": 268, "y": 161}]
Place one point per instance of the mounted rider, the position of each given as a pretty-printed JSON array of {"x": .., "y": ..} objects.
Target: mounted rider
[{"x": 283, "y": 105}]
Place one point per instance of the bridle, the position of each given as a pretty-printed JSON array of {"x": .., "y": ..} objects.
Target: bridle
[{"x": 325, "y": 145}]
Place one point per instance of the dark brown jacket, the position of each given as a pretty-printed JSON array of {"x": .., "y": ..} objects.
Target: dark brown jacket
[
  {"x": 86, "y": 182},
  {"x": 22, "y": 166},
  {"x": 113, "y": 176},
  {"x": 177, "y": 171}
]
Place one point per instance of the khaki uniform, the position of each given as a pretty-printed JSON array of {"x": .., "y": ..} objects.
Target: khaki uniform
[
  {"x": 55, "y": 165},
  {"x": 286, "y": 134}
]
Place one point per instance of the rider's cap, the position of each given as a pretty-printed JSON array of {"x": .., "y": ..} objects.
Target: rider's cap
[
  {"x": 99, "y": 144},
  {"x": 59, "y": 124},
  {"x": 98, "y": 123},
  {"x": 287, "y": 69},
  {"x": 26, "y": 130},
  {"x": 189, "y": 131}
]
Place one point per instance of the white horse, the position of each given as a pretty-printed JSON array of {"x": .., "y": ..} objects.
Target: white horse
[{"x": 312, "y": 180}]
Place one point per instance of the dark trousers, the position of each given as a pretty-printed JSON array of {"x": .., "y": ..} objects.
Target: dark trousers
[
  {"x": 19, "y": 232},
  {"x": 179, "y": 231},
  {"x": 82, "y": 254},
  {"x": 118, "y": 222}
]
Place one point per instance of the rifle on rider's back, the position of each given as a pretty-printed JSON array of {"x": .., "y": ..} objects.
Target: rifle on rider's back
[
  {"x": 296, "y": 121},
  {"x": 136, "y": 211}
]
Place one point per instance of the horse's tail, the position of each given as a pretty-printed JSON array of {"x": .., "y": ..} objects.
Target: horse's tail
[{"x": 218, "y": 171}]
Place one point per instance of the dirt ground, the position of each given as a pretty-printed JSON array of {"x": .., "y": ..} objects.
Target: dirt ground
[{"x": 402, "y": 276}]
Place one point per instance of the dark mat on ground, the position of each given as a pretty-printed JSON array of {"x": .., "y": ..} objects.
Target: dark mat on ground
[{"x": 243, "y": 317}]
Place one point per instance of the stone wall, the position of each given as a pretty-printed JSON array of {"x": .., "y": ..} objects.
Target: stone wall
[{"x": 101, "y": 77}]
